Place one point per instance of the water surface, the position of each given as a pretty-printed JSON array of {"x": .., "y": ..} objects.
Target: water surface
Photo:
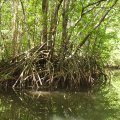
[{"x": 97, "y": 104}]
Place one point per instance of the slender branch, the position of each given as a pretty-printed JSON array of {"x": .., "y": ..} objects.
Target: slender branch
[
  {"x": 96, "y": 26},
  {"x": 83, "y": 12},
  {"x": 97, "y": 2},
  {"x": 23, "y": 10}
]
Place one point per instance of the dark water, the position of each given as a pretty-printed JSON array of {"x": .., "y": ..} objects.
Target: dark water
[{"x": 96, "y": 104}]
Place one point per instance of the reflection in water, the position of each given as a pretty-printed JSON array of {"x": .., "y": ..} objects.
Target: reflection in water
[{"x": 97, "y": 105}]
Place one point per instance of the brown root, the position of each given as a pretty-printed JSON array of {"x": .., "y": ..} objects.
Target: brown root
[{"x": 34, "y": 69}]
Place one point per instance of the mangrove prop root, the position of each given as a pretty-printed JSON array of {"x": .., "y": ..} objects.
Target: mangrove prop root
[{"x": 34, "y": 69}]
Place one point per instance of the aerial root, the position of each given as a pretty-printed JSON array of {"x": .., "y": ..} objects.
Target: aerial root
[{"x": 36, "y": 70}]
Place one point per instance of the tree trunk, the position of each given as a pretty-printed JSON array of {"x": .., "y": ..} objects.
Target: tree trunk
[
  {"x": 45, "y": 21},
  {"x": 0, "y": 19},
  {"x": 64, "y": 28},
  {"x": 53, "y": 25},
  {"x": 15, "y": 28}
]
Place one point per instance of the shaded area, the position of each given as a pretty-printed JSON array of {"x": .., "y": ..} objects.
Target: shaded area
[{"x": 30, "y": 105}]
